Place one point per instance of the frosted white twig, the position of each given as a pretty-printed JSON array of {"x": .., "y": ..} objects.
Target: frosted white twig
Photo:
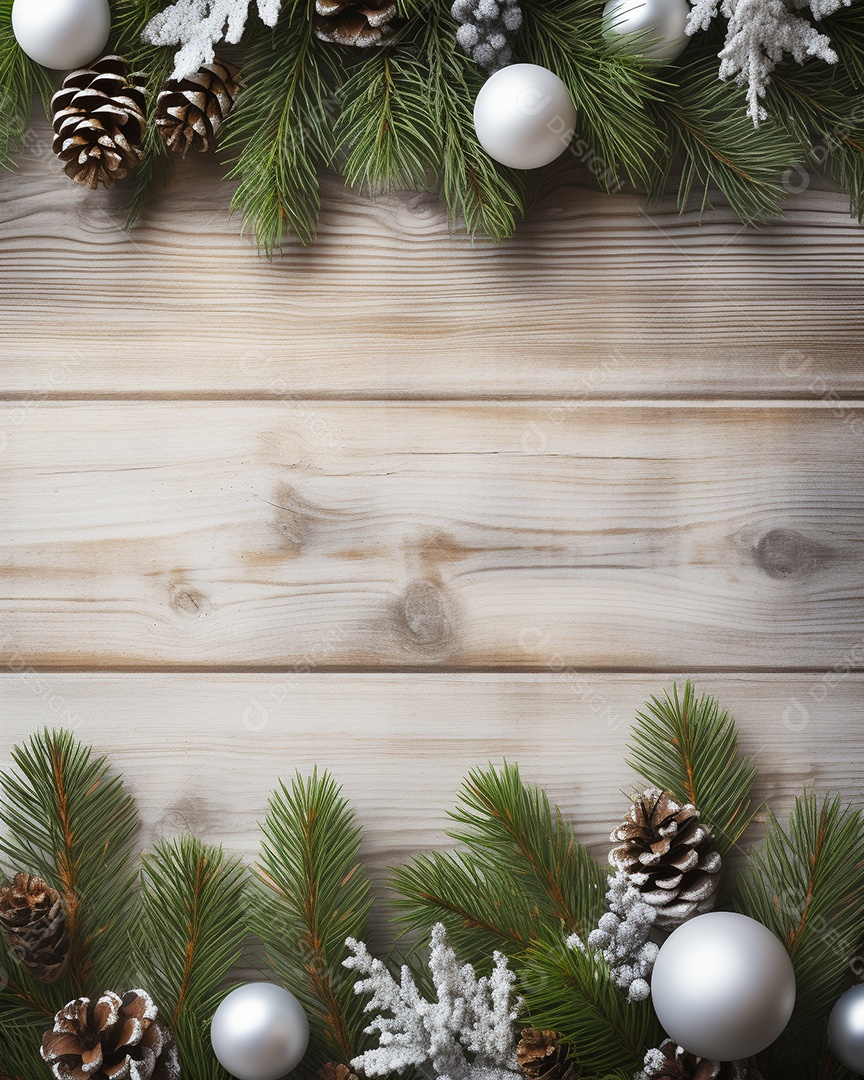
[
  {"x": 197, "y": 25},
  {"x": 622, "y": 935},
  {"x": 759, "y": 34},
  {"x": 466, "y": 1034}
]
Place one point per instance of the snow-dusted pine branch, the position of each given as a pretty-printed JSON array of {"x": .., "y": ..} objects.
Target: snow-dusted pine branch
[
  {"x": 197, "y": 25},
  {"x": 466, "y": 1034},
  {"x": 760, "y": 34}
]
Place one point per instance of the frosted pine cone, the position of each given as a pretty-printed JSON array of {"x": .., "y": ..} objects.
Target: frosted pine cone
[
  {"x": 190, "y": 112},
  {"x": 487, "y": 30},
  {"x": 668, "y": 856},
  {"x": 354, "y": 22},
  {"x": 113, "y": 1038}
]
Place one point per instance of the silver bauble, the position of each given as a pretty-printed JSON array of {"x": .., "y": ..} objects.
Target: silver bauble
[
  {"x": 723, "y": 986},
  {"x": 654, "y": 29},
  {"x": 259, "y": 1032},
  {"x": 846, "y": 1030}
]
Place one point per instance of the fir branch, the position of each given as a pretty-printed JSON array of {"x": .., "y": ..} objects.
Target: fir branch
[
  {"x": 718, "y": 146},
  {"x": 69, "y": 820},
  {"x": 569, "y": 990},
  {"x": 20, "y": 80},
  {"x": 192, "y": 931},
  {"x": 488, "y": 197},
  {"x": 806, "y": 884},
  {"x": 312, "y": 895},
  {"x": 386, "y": 131},
  {"x": 281, "y": 128},
  {"x": 523, "y": 874},
  {"x": 689, "y": 747},
  {"x": 616, "y": 131}
]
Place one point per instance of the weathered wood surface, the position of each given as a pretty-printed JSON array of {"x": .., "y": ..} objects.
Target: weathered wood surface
[
  {"x": 204, "y": 752},
  {"x": 595, "y": 298},
  {"x": 433, "y": 535}
]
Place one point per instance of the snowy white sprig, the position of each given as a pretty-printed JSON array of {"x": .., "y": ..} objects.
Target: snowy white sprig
[
  {"x": 623, "y": 937},
  {"x": 466, "y": 1034},
  {"x": 197, "y": 25},
  {"x": 758, "y": 36}
]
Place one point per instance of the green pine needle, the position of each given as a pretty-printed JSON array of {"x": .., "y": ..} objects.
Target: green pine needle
[
  {"x": 523, "y": 874},
  {"x": 191, "y": 933},
  {"x": 806, "y": 884},
  {"x": 688, "y": 746},
  {"x": 570, "y": 991},
  {"x": 71, "y": 821},
  {"x": 312, "y": 894}
]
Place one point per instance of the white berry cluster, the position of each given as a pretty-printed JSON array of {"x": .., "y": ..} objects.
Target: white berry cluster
[
  {"x": 623, "y": 934},
  {"x": 487, "y": 30}
]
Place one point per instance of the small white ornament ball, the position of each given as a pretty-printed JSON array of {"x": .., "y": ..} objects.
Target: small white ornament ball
[
  {"x": 61, "y": 33},
  {"x": 846, "y": 1030},
  {"x": 654, "y": 29},
  {"x": 524, "y": 117},
  {"x": 259, "y": 1032},
  {"x": 723, "y": 986}
]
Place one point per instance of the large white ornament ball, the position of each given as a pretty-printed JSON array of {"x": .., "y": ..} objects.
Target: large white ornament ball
[
  {"x": 259, "y": 1032},
  {"x": 846, "y": 1030},
  {"x": 723, "y": 986},
  {"x": 654, "y": 29},
  {"x": 61, "y": 33},
  {"x": 524, "y": 117}
]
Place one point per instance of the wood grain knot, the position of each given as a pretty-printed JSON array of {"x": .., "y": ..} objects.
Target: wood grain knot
[
  {"x": 191, "y": 813},
  {"x": 188, "y": 601},
  {"x": 426, "y": 616},
  {"x": 785, "y": 553}
]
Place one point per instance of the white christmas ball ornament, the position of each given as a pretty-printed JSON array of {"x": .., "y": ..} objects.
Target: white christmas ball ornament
[
  {"x": 654, "y": 29},
  {"x": 846, "y": 1030},
  {"x": 723, "y": 986},
  {"x": 61, "y": 33},
  {"x": 259, "y": 1032},
  {"x": 524, "y": 117}
]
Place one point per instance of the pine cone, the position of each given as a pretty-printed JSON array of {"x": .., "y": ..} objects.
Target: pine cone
[
  {"x": 33, "y": 915},
  {"x": 113, "y": 1038},
  {"x": 354, "y": 22},
  {"x": 669, "y": 857},
  {"x": 673, "y": 1062},
  {"x": 540, "y": 1057},
  {"x": 99, "y": 123},
  {"x": 190, "y": 111},
  {"x": 332, "y": 1071}
]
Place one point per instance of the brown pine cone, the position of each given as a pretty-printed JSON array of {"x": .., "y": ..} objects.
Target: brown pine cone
[
  {"x": 540, "y": 1056},
  {"x": 354, "y": 22},
  {"x": 668, "y": 856},
  {"x": 113, "y": 1038},
  {"x": 190, "y": 111},
  {"x": 34, "y": 917},
  {"x": 99, "y": 123},
  {"x": 332, "y": 1071},
  {"x": 672, "y": 1062}
]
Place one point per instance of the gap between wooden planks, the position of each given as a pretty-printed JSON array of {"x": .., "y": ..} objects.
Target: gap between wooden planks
[{"x": 433, "y": 535}]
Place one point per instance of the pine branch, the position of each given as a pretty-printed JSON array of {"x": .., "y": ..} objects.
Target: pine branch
[
  {"x": 523, "y": 874},
  {"x": 488, "y": 197},
  {"x": 192, "y": 931},
  {"x": 281, "y": 128},
  {"x": 806, "y": 884},
  {"x": 617, "y": 135},
  {"x": 20, "y": 80},
  {"x": 385, "y": 131},
  {"x": 71, "y": 822},
  {"x": 570, "y": 991},
  {"x": 689, "y": 747},
  {"x": 312, "y": 895}
]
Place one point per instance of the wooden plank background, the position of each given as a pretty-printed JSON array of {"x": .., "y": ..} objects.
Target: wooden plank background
[{"x": 399, "y": 504}]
